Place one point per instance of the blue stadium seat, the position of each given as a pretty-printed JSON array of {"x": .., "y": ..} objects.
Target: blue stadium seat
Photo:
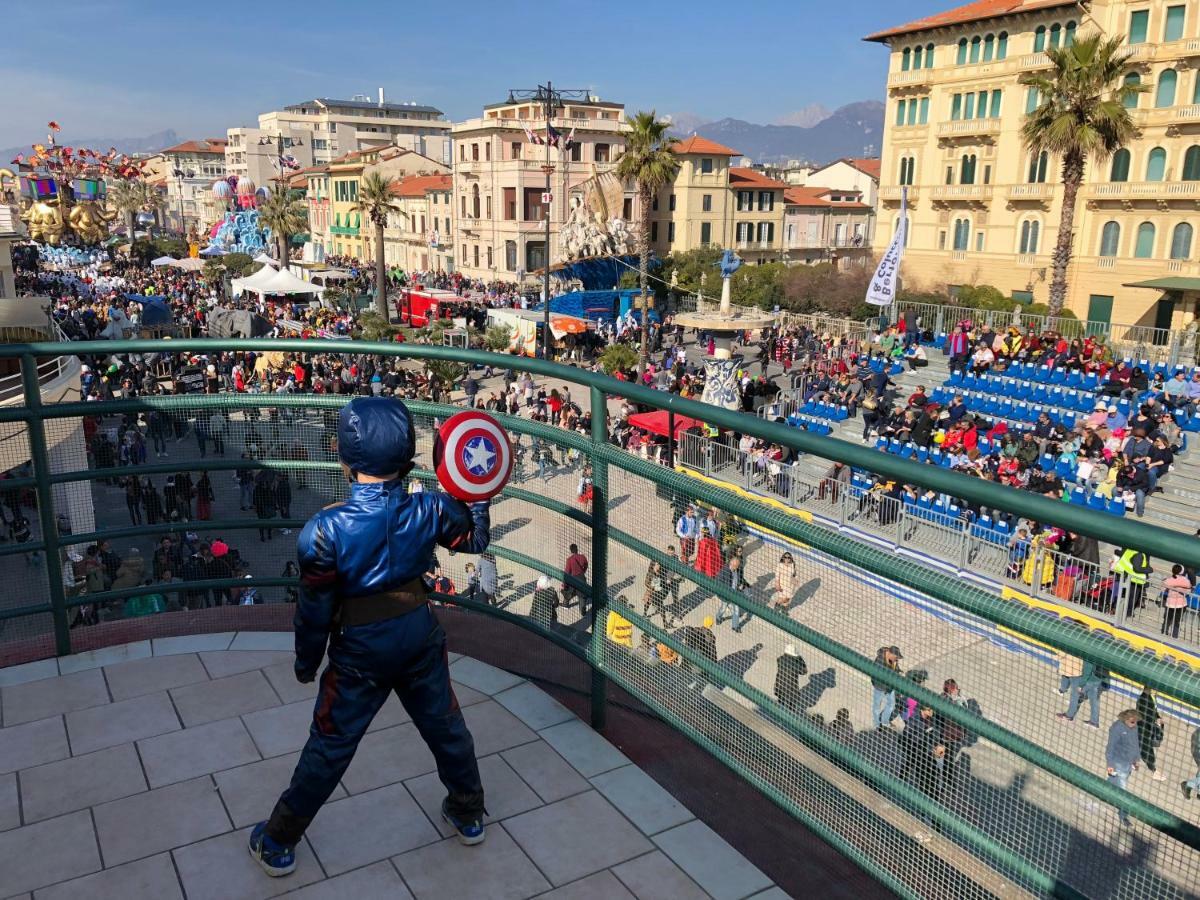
[
  {"x": 1079, "y": 497},
  {"x": 1097, "y": 502},
  {"x": 1115, "y": 508}
]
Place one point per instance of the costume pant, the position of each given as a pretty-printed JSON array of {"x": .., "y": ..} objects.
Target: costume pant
[{"x": 406, "y": 654}]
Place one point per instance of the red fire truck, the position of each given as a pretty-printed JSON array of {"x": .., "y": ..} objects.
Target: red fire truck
[{"x": 417, "y": 305}]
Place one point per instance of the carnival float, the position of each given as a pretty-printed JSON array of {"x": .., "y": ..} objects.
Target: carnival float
[{"x": 239, "y": 230}]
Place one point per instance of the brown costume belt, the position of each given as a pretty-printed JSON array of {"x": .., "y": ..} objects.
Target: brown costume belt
[{"x": 385, "y": 605}]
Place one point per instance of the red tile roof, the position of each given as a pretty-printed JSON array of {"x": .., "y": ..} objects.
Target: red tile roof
[
  {"x": 867, "y": 166},
  {"x": 215, "y": 146},
  {"x": 739, "y": 177},
  {"x": 972, "y": 12},
  {"x": 697, "y": 145},
  {"x": 420, "y": 185},
  {"x": 810, "y": 195}
]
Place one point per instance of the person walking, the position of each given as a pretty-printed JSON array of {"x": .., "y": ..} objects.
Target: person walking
[
  {"x": 133, "y": 499},
  {"x": 544, "y": 607},
  {"x": 264, "y": 503},
  {"x": 204, "y": 498},
  {"x": 687, "y": 530},
  {"x": 1150, "y": 732},
  {"x": 789, "y": 669},
  {"x": 1191, "y": 787},
  {"x": 1133, "y": 568},
  {"x": 487, "y": 579},
  {"x": 576, "y": 567},
  {"x": 883, "y": 696},
  {"x": 653, "y": 599},
  {"x": 784, "y": 587},
  {"x": 1122, "y": 754},
  {"x": 1087, "y": 684},
  {"x": 731, "y": 577},
  {"x": 708, "y": 555}
]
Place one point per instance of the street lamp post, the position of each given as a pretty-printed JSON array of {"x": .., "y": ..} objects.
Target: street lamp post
[
  {"x": 181, "y": 175},
  {"x": 551, "y": 99}
]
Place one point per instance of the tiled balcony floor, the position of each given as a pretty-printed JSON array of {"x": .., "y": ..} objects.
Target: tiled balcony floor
[{"x": 136, "y": 771}]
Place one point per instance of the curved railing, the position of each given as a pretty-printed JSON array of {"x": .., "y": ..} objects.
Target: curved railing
[{"x": 1051, "y": 829}]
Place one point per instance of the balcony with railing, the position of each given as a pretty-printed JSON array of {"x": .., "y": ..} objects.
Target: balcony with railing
[
  {"x": 1031, "y": 61},
  {"x": 965, "y": 193},
  {"x": 1034, "y": 192},
  {"x": 912, "y": 78},
  {"x": 1120, "y": 191},
  {"x": 892, "y": 193},
  {"x": 968, "y": 128}
]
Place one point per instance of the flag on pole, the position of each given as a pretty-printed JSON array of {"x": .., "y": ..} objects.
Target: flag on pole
[
  {"x": 882, "y": 290},
  {"x": 570, "y": 141},
  {"x": 553, "y": 135}
]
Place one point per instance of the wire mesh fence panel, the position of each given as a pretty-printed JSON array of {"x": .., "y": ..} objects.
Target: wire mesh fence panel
[{"x": 987, "y": 671}]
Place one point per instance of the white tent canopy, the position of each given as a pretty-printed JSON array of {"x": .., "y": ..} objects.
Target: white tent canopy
[
  {"x": 164, "y": 261},
  {"x": 269, "y": 281},
  {"x": 188, "y": 264},
  {"x": 266, "y": 260}
]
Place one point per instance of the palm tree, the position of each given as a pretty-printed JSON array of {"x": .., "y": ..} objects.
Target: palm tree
[
  {"x": 127, "y": 198},
  {"x": 285, "y": 217},
  {"x": 650, "y": 161},
  {"x": 376, "y": 200},
  {"x": 1082, "y": 116}
]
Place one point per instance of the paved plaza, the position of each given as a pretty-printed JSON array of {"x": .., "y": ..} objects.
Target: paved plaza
[{"x": 136, "y": 771}]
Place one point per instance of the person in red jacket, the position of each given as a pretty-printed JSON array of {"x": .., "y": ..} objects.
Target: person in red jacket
[{"x": 708, "y": 554}]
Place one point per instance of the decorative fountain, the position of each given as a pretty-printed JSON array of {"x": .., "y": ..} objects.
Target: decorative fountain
[{"x": 720, "y": 370}]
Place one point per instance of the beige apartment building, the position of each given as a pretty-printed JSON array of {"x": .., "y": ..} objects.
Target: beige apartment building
[
  {"x": 714, "y": 203},
  {"x": 419, "y": 235},
  {"x": 255, "y": 153},
  {"x": 500, "y": 183},
  {"x": 188, "y": 171},
  {"x": 985, "y": 211},
  {"x": 826, "y": 225}
]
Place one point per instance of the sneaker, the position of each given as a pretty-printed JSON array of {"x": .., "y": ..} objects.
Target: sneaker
[
  {"x": 469, "y": 832},
  {"x": 1187, "y": 790},
  {"x": 1064, "y": 717},
  {"x": 275, "y": 859}
]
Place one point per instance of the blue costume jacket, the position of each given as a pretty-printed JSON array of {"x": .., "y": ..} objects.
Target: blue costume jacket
[{"x": 379, "y": 539}]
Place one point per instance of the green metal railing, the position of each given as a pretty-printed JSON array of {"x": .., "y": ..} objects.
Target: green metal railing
[{"x": 961, "y": 840}]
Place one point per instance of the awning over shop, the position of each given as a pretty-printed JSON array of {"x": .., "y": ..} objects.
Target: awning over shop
[
  {"x": 1175, "y": 283},
  {"x": 657, "y": 422}
]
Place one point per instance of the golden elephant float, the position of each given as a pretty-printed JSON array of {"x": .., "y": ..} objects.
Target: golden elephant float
[
  {"x": 89, "y": 220},
  {"x": 45, "y": 222}
]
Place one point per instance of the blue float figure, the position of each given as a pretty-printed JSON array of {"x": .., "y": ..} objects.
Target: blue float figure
[{"x": 361, "y": 592}]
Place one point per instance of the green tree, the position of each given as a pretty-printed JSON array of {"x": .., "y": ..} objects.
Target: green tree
[
  {"x": 651, "y": 162},
  {"x": 617, "y": 358},
  {"x": 213, "y": 272},
  {"x": 446, "y": 372},
  {"x": 237, "y": 264},
  {"x": 285, "y": 217},
  {"x": 127, "y": 197},
  {"x": 376, "y": 201},
  {"x": 497, "y": 338},
  {"x": 1082, "y": 116},
  {"x": 374, "y": 327}
]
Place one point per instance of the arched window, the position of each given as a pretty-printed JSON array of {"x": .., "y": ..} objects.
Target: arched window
[
  {"x": 1120, "y": 166},
  {"x": 1110, "y": 238},
  {"x": 1039, "y": 39},
  {"x": 1191, "y": 163},
  {"x": 962, "y": 234},
  {"x": 929, "y": 56},
  {"x": 905, "y": 60},
  {"x": 962, "y": 51},
  {"x": 918, "y": 53},
  {"x": 475, "y": 201},
  {"x": 1131, "y": 101},
  {"x": 989, "y": 47},
  {"x": 1181, "y": 241},
  {"x": 976, "y": 43},
  {"x": 1037, "y": 167},
  {"x": 1165, "y": 94},
  {"x": 1055, "y": 34},
  {"x": 1156, "y": 164},
  {"x": 967, "y": 169},
  {"x": 1144, "y": 248},
  {"x": 1002, "y": 45},
  {"x": 1069, "y": 34},
  {"x": 1029, "y": 236}
]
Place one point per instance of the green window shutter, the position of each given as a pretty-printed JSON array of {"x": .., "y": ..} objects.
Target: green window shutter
[
  {"x": 900, "y": 112},
  {"x": 1139, "y": 20},
  {"x": 1131, "y": 101},
  {"x": 912, "y": 112},
  {"x": 956, "y": 107},
  {"x": 1031, "y": 100},
  {"x": 923, "y": 118},
  {"x": 969, "y": 106},
  {"x": 996, "y": 95},
  {"x": 1164, "y": 96},
  {"x": 1145, "y": 241},
  {"x": 1191, "y": 163},
  {"x": 1173, "y": 30},
  {"x": 1156, "y": 164}
]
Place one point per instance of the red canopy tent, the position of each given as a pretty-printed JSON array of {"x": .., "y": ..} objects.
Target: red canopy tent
[{"x": 657, "y": 422}]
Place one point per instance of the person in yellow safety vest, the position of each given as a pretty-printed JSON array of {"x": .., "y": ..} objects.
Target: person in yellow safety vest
[
  {"x": 618, "y": 629},
  {"x": 1133, "y": 567}
]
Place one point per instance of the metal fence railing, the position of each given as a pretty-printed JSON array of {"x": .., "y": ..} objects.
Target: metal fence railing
[
  {"x": 1136, "y": 342},
  {"x": 947, "y": 537},
  {"x": 978, "y": 794}
]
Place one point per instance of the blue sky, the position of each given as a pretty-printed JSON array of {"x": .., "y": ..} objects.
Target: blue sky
[{"x": 123, "y": 68}]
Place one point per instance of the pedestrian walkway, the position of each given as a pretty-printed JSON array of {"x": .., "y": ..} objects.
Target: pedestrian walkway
[{"x": 136, "y": 772}]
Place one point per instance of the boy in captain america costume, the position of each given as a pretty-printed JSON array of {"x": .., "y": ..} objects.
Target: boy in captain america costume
[{"x": 361, "y": 563}]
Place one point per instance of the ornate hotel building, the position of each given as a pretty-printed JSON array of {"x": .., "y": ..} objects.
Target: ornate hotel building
[{"x": 984, "y": 210}]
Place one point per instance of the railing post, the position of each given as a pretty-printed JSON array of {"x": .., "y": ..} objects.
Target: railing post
[
  {"x": 599, "y": 567},
  {"x": 40, "y": 457}
]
